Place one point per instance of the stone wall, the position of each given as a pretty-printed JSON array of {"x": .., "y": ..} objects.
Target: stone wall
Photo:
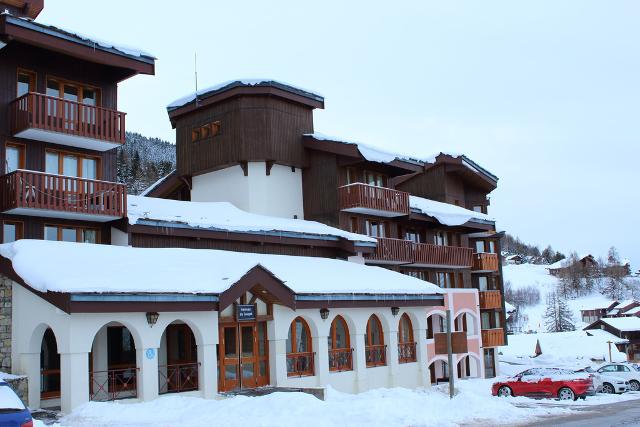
[
  {"x": 5, "y": 323},
  {"x": 20, "y": 384}
]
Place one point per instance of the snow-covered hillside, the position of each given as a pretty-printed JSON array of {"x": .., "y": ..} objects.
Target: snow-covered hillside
[{"x": 524, "y": 275}]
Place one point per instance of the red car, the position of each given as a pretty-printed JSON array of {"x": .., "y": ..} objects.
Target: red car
[{"x": 563, "y": 384}]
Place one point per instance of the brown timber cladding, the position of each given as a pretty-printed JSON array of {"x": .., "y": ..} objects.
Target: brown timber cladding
[
  {"x": 492, "y": 337},
  {"x": 322, "y": 173},
  {"x": 406, "y": 251},
  {"x": 490, "y": 300},
  {"x": 371, "y": 197},
  {"x": 485, "y": 262},
  {"x": 458, "y": 342},
  {"x": 252, "y": 128}
]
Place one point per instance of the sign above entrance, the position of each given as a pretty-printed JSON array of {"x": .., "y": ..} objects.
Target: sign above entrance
[{"x": 245, "y": 312}]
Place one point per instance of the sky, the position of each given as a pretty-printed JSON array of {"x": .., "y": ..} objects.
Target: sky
[{"x": 544, "y": 94}]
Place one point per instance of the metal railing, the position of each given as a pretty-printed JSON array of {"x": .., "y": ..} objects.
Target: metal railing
[
  {"x": 113, "y": 384},
  {"x": 300, "y": 364},
  {"x": 341, "y": 359},
  {"x": 177, "y": 378},
  {"x": 407, "y": 352},
  {"x": 375, "y": 355}
]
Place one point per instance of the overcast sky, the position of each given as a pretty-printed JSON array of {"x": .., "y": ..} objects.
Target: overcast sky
[{"x": 544, "y": 94}]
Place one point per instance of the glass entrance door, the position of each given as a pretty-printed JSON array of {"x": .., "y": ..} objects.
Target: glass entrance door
[{"x": 243, "y": 356}]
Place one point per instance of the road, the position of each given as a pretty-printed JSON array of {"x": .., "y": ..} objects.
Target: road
[{"x": 623, "y": 414}]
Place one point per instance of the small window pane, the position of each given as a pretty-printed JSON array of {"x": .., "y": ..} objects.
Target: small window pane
[
  {"x": 68, "y": 234},
  {"x": 24, "y": 84},
  {"x": 53, "y": 88},
  {"x": 70, "y": 165},
  {"x": 89, "y": 236},
  {"x": 9, "y": 233},
  {"x": 12, "y": 159},
  {"x": 89, "y": 96},
  {"x": 70, "y": 93},
  {"x": 492, "y": 247},
  {"x": 50, "y": 233},
  {"x": 480, "y": 246},
  {"x": 51, "y": 163},
  {"x": 89, "y": 168}
]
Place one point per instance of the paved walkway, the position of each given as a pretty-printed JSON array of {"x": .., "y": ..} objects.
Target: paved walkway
[{"x": 625, "y": 414}]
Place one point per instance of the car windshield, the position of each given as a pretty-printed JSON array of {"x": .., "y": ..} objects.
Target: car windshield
[{"x": 9, "y": 400}]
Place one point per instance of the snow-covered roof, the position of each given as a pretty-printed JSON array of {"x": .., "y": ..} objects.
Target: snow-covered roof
[
  {"x": 624, "y": 324},
  {"x": 508, "y": 307},
  {"x": 516, "y": 256},
  {"x": 74, "y": 36},
  {"x": 633, "y": 311},
  {"x": 626, "y": 303},
  {"x": 446, "y": 213},
  {"x": 225, "y": 216},
  {"x": 71, "y": 267},
  {"x": 370, "y": 153},
  {"x": 606, "y": 336},
  {"x": 220, "y": 87}
]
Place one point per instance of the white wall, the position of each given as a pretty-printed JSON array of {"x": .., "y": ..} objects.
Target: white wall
[
  {"x": 277, "y": 194},
  {"x": 119, "y": 238}
]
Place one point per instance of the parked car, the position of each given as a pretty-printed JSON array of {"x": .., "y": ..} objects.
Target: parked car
[
  {"x": 623, "y": 370},
  {"x": 604, "y": 383},
  {"x": 13, "y": 412},
  {"x": 563, "y": 384}
]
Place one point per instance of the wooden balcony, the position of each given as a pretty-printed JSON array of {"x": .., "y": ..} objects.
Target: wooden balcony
[
  {"x": 427, "y": 255},
  {"x": 371, "y": 200},
  {"x": 57, "y": 196},
  {"x": 458, "y": 342},
  {"x": 392, "y": 251},
  {"x": 485, "y": 262},
  {"x": 490, "y": 300},
  {"x": 492, "y": 337},
  {"x": 60, "y": 121}
]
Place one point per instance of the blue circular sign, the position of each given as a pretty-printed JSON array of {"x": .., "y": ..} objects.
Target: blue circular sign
[{"x": 150, "y": 353}]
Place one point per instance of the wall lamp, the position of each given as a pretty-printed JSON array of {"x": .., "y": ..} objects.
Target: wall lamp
[
  {"x": 324, "y": 313},
  {"x": 395, "y": 310},
  {"x": 152, "y": 318}
]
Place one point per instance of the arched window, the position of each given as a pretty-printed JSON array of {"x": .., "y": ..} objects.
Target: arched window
[
  {"x": 435, "y": 324},
  {"x": 299, "y": 349},
  {"x": 340, "y": 351},
  {"x": 406, "y": 344},
  {"x": 375, "y": 350}
]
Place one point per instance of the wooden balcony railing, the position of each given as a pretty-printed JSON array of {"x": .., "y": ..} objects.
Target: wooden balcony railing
[
  {"x": 300, "y": 364},
  {"x": 492, "y": 337},
  {"x": 485, "y": 262},
  {"x": 407, "y": 352},
  {"x": 38, "y": 190},
  {"x": 177, "y": 378},
  {"x": 490, "y": 300},
  {"x": 393, "y": 250},
  {"x": 458, "y": 342},
  {"x": 49, "y": 383},
  {"x": 39, "y": 111},
  {"x": 428, "y": 254},
  {"x": 368, "y": 197},
  {"x": 341, "y": 359}
]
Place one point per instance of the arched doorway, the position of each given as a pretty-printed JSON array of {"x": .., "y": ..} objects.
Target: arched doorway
[
  {"x": 439, "y": 372},
  {"x": 177, "y": 360},
  {"x": 49, "y": 368},
  {"x": 112, "y": 364}
]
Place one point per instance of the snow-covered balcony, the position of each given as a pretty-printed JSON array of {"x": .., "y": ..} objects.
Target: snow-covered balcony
[
  {"x": 372, "y": 200},
  {"x": 485, "y": 262},
  {"x": 492, "y": 337},
  {"x": 490, "y": 300},
  {"x": 61, "y": 121},
  {"x": 57, "y": 196}
]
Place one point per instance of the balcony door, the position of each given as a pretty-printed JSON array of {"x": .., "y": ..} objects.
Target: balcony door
[{"x": 243, "y": 356}]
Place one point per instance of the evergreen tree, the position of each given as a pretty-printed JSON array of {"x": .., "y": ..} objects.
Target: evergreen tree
[{"x": 557, "y": 316}]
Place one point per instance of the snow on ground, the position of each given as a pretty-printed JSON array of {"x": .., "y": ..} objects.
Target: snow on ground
[{"x": 381, "y": 407}]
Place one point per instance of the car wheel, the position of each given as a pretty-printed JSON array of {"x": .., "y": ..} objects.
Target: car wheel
[
  {"x": 565, "y": 393},
  {"x": 505, "y": 391},
  {"x": 608, "y": 388},
  {"x": 634, "y": 385}
]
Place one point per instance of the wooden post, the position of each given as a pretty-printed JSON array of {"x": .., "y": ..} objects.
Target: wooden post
[
  {"x": 450, "y": 356},
  {"x": 609, "y": 342}
]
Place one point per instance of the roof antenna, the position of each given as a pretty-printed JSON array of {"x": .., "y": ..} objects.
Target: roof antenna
[{"x": 195, "y": 67}]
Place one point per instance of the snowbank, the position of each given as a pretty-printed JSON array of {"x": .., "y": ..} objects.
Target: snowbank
[
  {"x": 225, "y": 216},
  {"x": 446, "y": 213},
  {"x": 80, "y": 267},
  {"x": 561, "y": 349},
  {"x": 381, "y": 407}
]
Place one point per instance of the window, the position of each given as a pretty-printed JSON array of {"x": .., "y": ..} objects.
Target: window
[
  {"x": 299, "y": 354},
  {"x": 64, "y": 233},
  {"x": 480, "y": 246},
  {"x": 497, "y": 318},
  {"x": 14, "y": 157},
  {"x": 71, "y": 164},
  {"x": 492, "y": 247},
  {"x": 483, "y": 283},
  {"x": 11, "y": 231},
  {"x": 445, "y": 280},
  {"x": 72, "y": 91},
  {"x": 208, "y": 130},
  {"x": 374, "y": 348},
  {"x": 485, "y": 320},
  {"x": 353, "y": 225},
  {"x": 374, "y": 178},
  {"x": 406, "y": 345},
  {"x": 26, "y": 82},
  {"x": 441, "y": 238},
  {"x": 412, "y": 235},
  {"x": 340, "y": 353},
  {"x": 478, "y": 208},
  {"x": 489, "y": 363},
  {"x": 417, "y": 274},
  {"x": 435, "y": 324},
  {"x": 376, "y": 228}
]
